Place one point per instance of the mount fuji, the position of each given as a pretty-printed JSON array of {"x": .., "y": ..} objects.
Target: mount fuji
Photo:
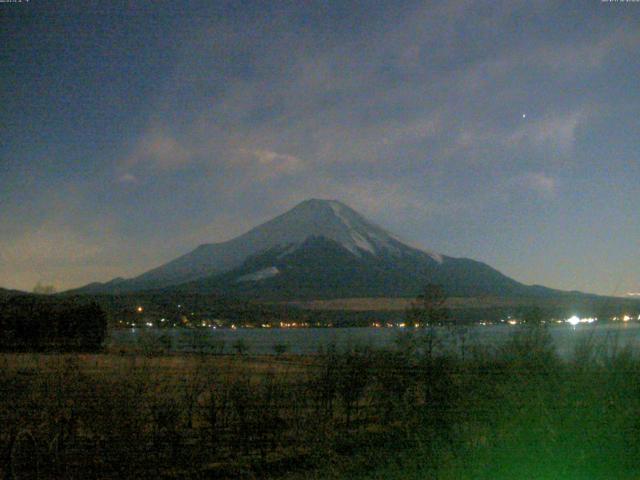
[{"x": 318, "y": 249}]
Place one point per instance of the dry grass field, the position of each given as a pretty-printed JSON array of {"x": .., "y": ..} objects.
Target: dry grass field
[
  {"x": 116, "y": 415},
  {"x": 513, "y": 412}
]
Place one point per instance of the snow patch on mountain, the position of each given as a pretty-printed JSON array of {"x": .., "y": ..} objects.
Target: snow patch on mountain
[
  {"x": 290, "y": 249},
  {"x": 359, "y": 241},
  {"x": 259, "y": 275},
  {"x": 363, "y": 235},
  {"x": 362, "y": 242},
  {"x": 436, "y": 256}
]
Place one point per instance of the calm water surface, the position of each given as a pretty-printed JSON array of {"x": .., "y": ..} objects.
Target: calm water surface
[{"x": 310, "y": 340}]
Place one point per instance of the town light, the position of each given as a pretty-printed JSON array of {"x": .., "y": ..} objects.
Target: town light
[{"x": 573, "y": 320}]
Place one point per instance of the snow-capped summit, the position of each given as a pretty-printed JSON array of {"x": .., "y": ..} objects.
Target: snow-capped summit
[{"x": 330, "y": 219}]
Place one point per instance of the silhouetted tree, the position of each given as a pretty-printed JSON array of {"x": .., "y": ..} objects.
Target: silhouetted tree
[
  {"x": 429, "y": 310},
  {"x": 429, "y": 307},
  {"x": 32, "y": 323},
  {"x": 353, "y": 378}
]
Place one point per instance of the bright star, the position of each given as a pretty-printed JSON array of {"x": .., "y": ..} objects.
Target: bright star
[{"x": 524, "y": 115}]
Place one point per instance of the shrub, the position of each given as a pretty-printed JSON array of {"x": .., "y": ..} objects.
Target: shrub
[
  {"x": 240, "y": 346},
  {"x": 280, "y": 348},
  {"x": 353, "y": 377}
]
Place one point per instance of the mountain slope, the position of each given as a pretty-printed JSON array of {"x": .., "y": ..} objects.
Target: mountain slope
[
  {"x": 323, "y": 268},
  {"x": 324, "y": 218},
  {"x": 318, "y": 249}
]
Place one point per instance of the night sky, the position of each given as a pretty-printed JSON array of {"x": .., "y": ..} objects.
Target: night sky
[{"x": 503, "y": 131}]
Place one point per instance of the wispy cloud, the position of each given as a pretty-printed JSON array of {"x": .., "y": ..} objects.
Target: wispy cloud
[
  {"x": 555, "y": 132},
  {"x": 587, "y": 55},
  {"x": 127, "y": 178},
  {"x": 544, "y": 185},
  {"x": 158, "y": 150},
  {"x": 275, "y": 163}
]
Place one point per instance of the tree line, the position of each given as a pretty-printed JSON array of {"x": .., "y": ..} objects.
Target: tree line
[{"x": 31, "y": 323}]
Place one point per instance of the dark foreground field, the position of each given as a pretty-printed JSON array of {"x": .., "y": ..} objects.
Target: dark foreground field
[{"x": 511, "y": 413}]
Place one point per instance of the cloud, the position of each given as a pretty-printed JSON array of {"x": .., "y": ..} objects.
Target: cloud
[
  {"x": 417, "y": 93},
  {"x": 556, "y": 131},
  {"x": 128, "y": 178},
  {"x": 553, "y": 136},
  {"x": 160, "y": 151},
  {"x": 541, "y": 184},
  {"x": 586, "y": 55},
  {"x": 277, "y": 163}
]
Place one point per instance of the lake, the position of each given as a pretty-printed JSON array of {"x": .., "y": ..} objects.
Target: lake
[{"x": 310, "y": 340}]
